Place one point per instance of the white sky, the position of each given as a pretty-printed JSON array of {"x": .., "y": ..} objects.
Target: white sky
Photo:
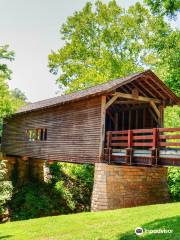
[{"x": 31, "y": 28}]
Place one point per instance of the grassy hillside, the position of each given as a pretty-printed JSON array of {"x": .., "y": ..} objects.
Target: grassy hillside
[{"x": 118, "y": 224}]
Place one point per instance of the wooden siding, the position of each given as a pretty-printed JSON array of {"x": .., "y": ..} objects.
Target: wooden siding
[{"x": 73, "y": 132}]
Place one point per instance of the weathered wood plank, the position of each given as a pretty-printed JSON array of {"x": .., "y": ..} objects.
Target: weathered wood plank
[
  {"x": 139, "y": 98},
  {"x": 73, "y": 132},
  {"x": 153, "y": 105}
]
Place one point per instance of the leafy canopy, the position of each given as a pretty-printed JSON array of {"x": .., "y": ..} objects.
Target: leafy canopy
[
  {"x": 164, "y": 7},
  {"x": 104, "y": 42},
  {"x": 18, "y": 94},
  {"x": 9, "y": 102},
  {"x": 5, "y": 55},
  {"x": 169, "y": 60},
  {"x": 174, "y": 182},
  {"x": 5, "y": 72}
]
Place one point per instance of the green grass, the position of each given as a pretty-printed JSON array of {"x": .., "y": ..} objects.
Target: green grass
[{"x": 118, "y": 224}]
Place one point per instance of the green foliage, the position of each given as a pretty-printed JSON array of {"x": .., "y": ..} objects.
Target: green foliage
[
  {"x": 5, "y": 187},
  {"x": 164, "y": 7},
  {"x": 5, "y": 55},
  {"x": 104, "y": 42},
  {"x": 18, "y": 94},
  {"x": 5, "y": 98},
  {"x": 75, "y": 183},
  {"x": 9, "y": 101},
  {"x": 69, "y": 190},
  {"x": 31, "y": 200},
  {"x": 174, "y": 182},
  {"x": 35, "y": 199},
  {"x": 65, "y": 193},
  {"x": 169, "y": 63},
  {"x": 172, "y": 117}
]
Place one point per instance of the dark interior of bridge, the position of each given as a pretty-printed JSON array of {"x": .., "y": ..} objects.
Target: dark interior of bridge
[{"x": 122, "y": 116}]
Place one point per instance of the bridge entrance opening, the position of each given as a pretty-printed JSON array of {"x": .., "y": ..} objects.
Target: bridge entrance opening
[{"x": 135, "y": 134}]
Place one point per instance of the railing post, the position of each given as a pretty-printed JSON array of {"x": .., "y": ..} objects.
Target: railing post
[
  {"x": 154, "y": 137},
  {"x": 109, "y": 136},
  {"x": 130, "y": 136},
  {"x": 155, "y": 146},
  {"x": 129, "y": 150},
  {"x": 109, "y": 139}
]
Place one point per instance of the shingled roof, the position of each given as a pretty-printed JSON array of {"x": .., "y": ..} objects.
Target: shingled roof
[{"x": 98, "y": 90}]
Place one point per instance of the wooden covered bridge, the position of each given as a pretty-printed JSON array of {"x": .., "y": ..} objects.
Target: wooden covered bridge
[{"x": 119, "y": 122}]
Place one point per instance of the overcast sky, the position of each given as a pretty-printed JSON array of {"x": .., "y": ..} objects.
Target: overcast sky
[{"x": 31, "y": 28}]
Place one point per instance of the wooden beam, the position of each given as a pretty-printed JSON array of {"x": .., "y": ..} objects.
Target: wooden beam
[
  {"x": 149, "y": 83},
  {"x": 113, "y": 99},
  {"x": 153, "y": 105},
  {"x": 129, "y": 96},
  {"x": 162, "y": 86},
  {"x": 128, "y": 102},
  {"x": 103, "y": 119},
  {"x": 153, "y": 115},
  {"x": 145, "y": 88},
  {"x": 139, "y": 89},
  {"x": 135, "y": 93},
  {"x": 161, "y": 110},
  {"x": 125, "y": 88},
  {"x": 139, "y": 98}
]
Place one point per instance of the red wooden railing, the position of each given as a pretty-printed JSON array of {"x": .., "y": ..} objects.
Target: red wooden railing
[{"x": 154, "y": 138}]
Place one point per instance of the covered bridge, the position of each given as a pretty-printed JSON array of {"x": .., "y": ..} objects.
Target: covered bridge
[
  {"x": 78, "y": 126},
  {"x": 118, "y": 122}
]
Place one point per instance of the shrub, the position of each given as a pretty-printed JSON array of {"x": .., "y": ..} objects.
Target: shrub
[
  {"x": 69, "y": 190},
  {"x": 174, "y": 182},
  {"x": 5, "y": 187},
  {"x": 76, "y": 181},
  {"x": 35, "y": 199}
]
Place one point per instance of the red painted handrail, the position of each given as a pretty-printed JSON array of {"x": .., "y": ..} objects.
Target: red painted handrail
[{"x": 153, "y": 138}]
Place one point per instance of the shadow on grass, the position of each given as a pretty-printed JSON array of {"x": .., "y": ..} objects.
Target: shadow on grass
[
  {"x": 167, "y": 223},
  {"x": 5, "y": 237}
]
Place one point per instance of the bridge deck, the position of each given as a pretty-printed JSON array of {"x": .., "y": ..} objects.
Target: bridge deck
[{"x": 158, "y": 146}]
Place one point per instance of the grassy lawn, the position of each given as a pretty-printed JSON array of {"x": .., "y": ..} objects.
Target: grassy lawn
[{"x": 117, "y": 224}]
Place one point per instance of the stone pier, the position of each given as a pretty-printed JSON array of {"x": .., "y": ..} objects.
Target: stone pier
[
  {"x": 39, "y": 169},
  {"x": 24, "y": 169},
  {"x": 118, "y": 186}
]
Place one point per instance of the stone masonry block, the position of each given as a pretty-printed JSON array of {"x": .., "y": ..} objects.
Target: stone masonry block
[{"x": 127, "y": 186}]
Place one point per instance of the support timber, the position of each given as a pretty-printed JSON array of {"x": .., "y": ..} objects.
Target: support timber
[{"x": 135, "y": 97}]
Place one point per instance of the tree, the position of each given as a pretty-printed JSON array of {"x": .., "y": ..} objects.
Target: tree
[
  {"x": 174, "y": 182},
  {"x": 164, "y": 7},
  {"x": 9, "y": 103},
  {"x": 5, "y": 187},
  {"x": 108, "y": 42},
  {"x": 168, "y": 65},
  {"x": 18, "y": 94},
  {"x": 5, "y": 54},
  {"x": 5, "y": 73}
]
